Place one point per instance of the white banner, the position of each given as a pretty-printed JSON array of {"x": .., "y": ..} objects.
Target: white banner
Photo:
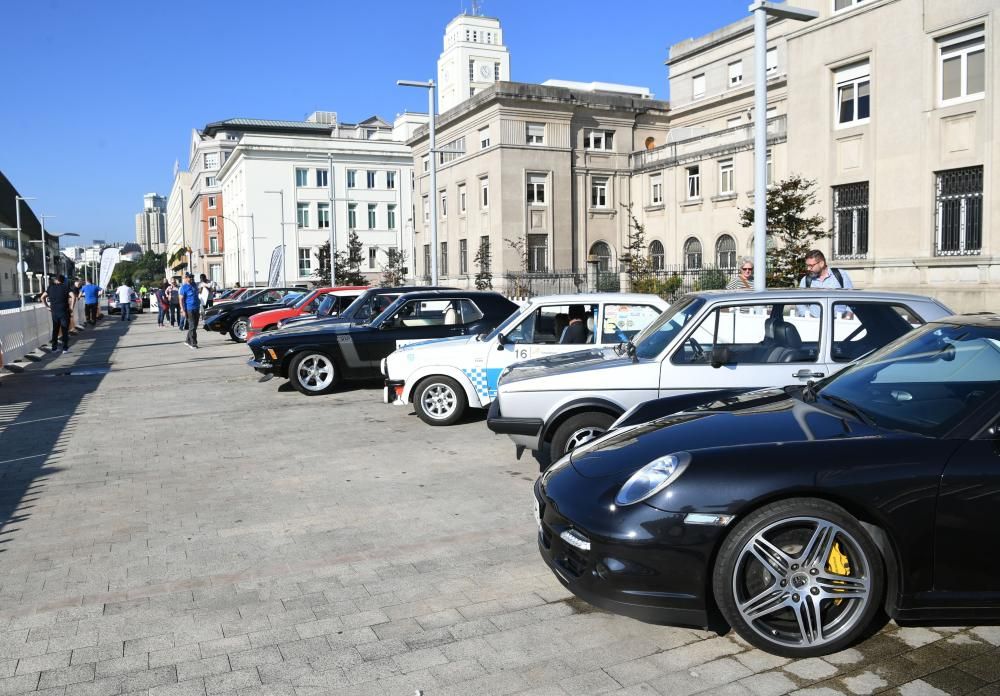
[
  {"x": 109, "y": 259},
  {"x": 274, "y": 274}
]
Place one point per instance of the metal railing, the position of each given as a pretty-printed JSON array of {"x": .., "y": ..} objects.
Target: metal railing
[{"x": 709, "y": 144}]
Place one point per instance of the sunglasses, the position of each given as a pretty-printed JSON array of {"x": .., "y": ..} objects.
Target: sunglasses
[{"x": 749, "y": 268}]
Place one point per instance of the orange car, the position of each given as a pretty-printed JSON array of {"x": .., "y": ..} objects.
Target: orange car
[{"x": 307, "y": 304}]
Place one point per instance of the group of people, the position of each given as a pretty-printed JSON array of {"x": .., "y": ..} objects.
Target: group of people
[
  {"x": 181, "y": 305},
  {"x": 818, "y": 274},
  {"x": 61, "y": 298}
]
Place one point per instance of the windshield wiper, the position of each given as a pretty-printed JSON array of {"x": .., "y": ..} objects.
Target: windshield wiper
[{"x": 845, "y": 405}]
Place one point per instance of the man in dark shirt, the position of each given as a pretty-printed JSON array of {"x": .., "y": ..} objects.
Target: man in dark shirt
[
  {"x": 58, "y": 298},
  {"x": 576, "y": 331}
]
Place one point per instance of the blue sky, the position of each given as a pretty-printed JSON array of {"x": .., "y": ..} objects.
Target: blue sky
[{"x": 107, "y": 91}]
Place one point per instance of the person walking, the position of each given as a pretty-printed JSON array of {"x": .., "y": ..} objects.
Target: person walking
[
  {"x": 819, "y": 275},
  {"x": 190, "y": 308},
  {"x": 125, "y": 293},
  {"x": 160, "y": 297},
  {"x": 59, "y": 300},
  {"x": 205, "y": 291},
  {"x": 74, "y": 288},
  {"x": 90, "y": 294},
  {"x": 173, "y": 301},
  {"x": 744, "y": 279}
]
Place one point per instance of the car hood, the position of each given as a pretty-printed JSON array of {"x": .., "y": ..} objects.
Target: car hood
[
  {"x": 564, "y": 363},
  {"x": 301, "y": 333},
  {"x": 437, "y": 346},
  {"x": 767, "y": 417},
  {"x": 271, "y": 316}
]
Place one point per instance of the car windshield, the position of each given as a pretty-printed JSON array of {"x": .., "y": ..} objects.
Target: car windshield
[
  {"x": 926, "y": 382},
  {"x": 291, "y": 299},
  {"x": 505, "y": 324},
  {"x": 655, "y": 337},
  {"x": 301, "y": 299},
  {"x": 326, "y": 305},
  {"x": 375, "y": 306}
]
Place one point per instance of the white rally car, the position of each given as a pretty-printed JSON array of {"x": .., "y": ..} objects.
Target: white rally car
[{"x": 442, "y": 378}]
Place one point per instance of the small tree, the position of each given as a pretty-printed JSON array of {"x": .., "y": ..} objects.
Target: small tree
[
  {"x": 484, "y": 262},
  {"x": 520, "y": 287},
  {"x": 640, "y": 266},
  {"x": 393, "y": 272},
  {"x": 792, "y": 231},
  {"x": 346, "y": 265}
]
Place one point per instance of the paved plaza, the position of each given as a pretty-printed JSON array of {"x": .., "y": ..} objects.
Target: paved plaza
[{"x": 168, "y": 525}]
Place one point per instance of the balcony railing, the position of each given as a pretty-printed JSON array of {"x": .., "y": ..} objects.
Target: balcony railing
[{"x": 709, "y": 144}]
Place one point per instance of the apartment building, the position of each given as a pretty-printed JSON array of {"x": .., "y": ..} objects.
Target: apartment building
[
  {"x": 179, "y": 225},
  {"x": 544, "y": 166},
  {"x": 276, "y": 184},
  {"x": 151, "y": 224},
  {"x": 897, "y": 126},
  {"x": 207, "y": 154}
]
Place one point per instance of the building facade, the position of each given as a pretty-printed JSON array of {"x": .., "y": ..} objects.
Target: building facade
[
  {"x": 277, "y": 187},
  {"x": 473, "y": 58},
  {"x": 179, "y": 226},
  {"x": 539, "y": 174},
  {"x": 151, "y": 224}
]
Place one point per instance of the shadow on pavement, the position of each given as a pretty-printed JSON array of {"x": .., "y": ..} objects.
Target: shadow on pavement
[{"x": 39, "y": 406}]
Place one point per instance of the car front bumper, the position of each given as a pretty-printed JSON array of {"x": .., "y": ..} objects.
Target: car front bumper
[
  {"x": 661, "y": 579},
  {"x": 523, "y": 431},
  {"x": 392, "y": 392}
]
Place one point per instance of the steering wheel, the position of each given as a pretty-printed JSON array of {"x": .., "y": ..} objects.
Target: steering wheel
[{"x": 699, "y": 352}]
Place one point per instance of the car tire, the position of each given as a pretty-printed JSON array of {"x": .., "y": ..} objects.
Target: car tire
[
  {"x": 440, "y": 400},
  {"x": 313, "y": 373},
  {"x": 239, "y": 328},
  {"x": 578, "y": 430},
  {"x": 822, "y": 585}
]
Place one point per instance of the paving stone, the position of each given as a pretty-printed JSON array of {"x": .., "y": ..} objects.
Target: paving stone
[
  {"x": 769, "y": 684},
  {"x": 812, "y": 668},
  {"x": 251, "y": 658},
  {"x": 42, "y": 663},
  {"x": 197, "y": 669},
  {"x": 232, "y": 681},
  {"x": 66, "y": 676}
]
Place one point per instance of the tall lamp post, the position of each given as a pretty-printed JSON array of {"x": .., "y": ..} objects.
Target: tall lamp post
[
  {"x": 281, "y": 194},
  {"x": 761, "y": 9},
  {"x": 21, "y": 268},
  {"x": 432, "y": 153},
  {"x": 253, "y": 248}
]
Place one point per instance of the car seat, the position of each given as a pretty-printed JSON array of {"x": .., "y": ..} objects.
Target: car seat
[
  {"x": 559, "y": 324},
  {"x": 788, "y": 343},
  {"x": 450, "y": 316},
  {"x": 590, "y": 328}
]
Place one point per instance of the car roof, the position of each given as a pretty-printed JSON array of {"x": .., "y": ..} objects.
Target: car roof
[
  {"x": 797, "y": 294},
  {"x": 986, "y": 320},
  {"x": 591, "y": 297},
  {"x": 470, "y": 294}
]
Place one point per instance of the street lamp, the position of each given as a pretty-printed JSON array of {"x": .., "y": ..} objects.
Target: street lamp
[
  {"x": 761, "y": 9},
  {"x": 332, "y": 220},
  {"x": 21, "y": 266},
  {"x": 432, "y": 153},
  {"x": 281, "y": 193},
  {"x": 253, "y": 247},
  {"x": 239, "y": 265}
]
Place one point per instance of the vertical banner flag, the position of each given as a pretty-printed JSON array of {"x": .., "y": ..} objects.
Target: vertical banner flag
[
  {"x": 109, "y": 259},
  {"x": 274, "y": 273}
]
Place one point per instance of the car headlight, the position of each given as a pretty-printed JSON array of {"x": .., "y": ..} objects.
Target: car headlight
[
  {"x": 382, "y": 366},
  {"x": 652, "y": 478}
]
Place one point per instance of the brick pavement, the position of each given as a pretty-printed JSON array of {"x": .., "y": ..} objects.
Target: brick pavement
[{"x": 173, "y": 527}]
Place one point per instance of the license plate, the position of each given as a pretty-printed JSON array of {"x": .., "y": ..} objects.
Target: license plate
[{"x": 538, "y": 513}]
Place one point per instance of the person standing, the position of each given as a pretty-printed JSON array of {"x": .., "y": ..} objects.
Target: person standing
[
  {"x": 59, "y": 300},
  {"x": 173, "y": 300},
  {"x": 90, "y": 299},
  {"x": 125, "y": 293},
  {"x": 160, "y": 297},
  {"x": 204, "y": 291},
  {"x": 819, "y": 275},
  {"x": 744, "y": 280},
  {"x": 74, "y": 289},
  {"x": 190, "y": 308}
]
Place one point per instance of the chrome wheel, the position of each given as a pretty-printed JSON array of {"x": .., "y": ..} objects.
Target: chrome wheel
[
  {"x": 438, "y": 401},
  {"x": 582, "y": 436},
  {"x": 240, "y": 329},
  {"x": 315, "y": 372},
  {"x": 802, "y": 582}
]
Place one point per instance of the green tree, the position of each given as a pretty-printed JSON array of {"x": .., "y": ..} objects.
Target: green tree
[
  {"x": 484, "y": 264},
  {"x": 640, "y": 266},
  {"x": 394, "y": 271},
  {"x": 791, "y": 230},
  {"x": 517, "y": 283},
  {"x": 346, "y": 264}
]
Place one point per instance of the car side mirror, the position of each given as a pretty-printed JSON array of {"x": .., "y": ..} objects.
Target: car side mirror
[
  {"x": 721, "y": 355},
  {"x": 501, "y": 341}
]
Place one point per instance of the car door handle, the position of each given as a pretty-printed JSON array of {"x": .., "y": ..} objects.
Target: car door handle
[{"x": 807, "y": 374}]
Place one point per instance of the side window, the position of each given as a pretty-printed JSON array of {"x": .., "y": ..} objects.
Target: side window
[
  {"x": 565, "y": 324},
  {"x": 755, "y": 334},
  {"x": 271, "y": 296},
  {"x": 629, "y": 319},
  {"x": 469, "y": 311},
  {"x": 860, "y": 328}
]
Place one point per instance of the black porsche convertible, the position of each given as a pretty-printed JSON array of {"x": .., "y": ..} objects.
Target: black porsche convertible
[{"x": 797, "y": 516}]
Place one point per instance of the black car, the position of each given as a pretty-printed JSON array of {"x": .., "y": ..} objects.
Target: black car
[
  {"x": 798, "y": 516},
  {"x": 234, "y": 317},
  {"x": 362, "y": 310},
  {"x": 316, "y": 356}
]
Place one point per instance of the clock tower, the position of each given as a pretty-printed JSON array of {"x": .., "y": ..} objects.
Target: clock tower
[{"x": 473, "y": 58}]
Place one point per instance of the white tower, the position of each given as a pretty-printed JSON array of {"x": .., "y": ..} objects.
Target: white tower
[{"x": 473, "y": 58}]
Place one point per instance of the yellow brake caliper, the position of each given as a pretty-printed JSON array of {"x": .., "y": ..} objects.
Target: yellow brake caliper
[{"x": 838, "y": 564}]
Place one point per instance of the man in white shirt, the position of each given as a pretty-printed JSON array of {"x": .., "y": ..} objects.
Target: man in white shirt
[{"x": 125, "y": 295}]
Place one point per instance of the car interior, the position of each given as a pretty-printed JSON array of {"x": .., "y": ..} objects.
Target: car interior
[
  {"x": 453, "y": 312},
  {"x": 550, "y": 324}
]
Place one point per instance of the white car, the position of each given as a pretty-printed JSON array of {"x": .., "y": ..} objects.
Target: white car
[
  {"x": 704, "y": 341},
  {"x": 443, "y": 378}
]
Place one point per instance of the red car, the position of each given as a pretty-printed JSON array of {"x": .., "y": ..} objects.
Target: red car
[
  {"x": 307, "y": 304},
  {"x": 232, "y": 295}
]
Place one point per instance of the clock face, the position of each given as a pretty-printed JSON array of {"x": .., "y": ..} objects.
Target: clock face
[{"x": 485, "y": 71}]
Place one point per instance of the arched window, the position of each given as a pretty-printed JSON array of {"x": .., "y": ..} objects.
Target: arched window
[
  {"x": 692, "y": 254},
  {"x": 725, "y": 252},
  {"x": 656, "y": 254},
  {"x": 603, "y": 253}
]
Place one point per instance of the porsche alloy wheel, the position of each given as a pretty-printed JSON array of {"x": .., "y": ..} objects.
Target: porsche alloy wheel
[
  {"x": 799, "y": 578},
  {"x": 439, "y": 401},
  {"x": 313, "y": 374}
]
